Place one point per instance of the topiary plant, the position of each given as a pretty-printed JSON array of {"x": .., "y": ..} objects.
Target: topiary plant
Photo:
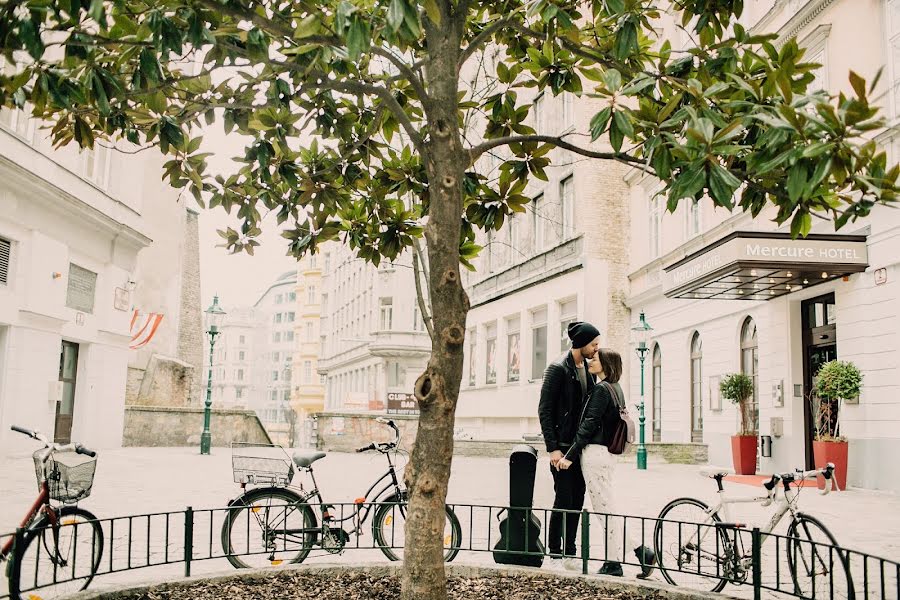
[
  {"x": 738, "y": 388},
  {"x": 838, "y": 380}
]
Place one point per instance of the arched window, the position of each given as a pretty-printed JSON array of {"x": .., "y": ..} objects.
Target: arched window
[
  {"x": 696, "y": 388},
  {"x": 750, "y": 365},
  {"x": 656, "y": 401}
]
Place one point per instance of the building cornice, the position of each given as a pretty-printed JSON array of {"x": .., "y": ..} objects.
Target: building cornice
[{"x": 801, "y": 20}]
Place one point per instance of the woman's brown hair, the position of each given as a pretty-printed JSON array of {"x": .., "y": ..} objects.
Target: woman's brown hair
[{"x": 611, "y": 361}]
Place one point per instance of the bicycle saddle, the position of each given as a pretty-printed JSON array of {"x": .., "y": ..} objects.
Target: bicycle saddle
[
  {"x": 713, "y": 472},
  {"x": 304, "y": 458}
]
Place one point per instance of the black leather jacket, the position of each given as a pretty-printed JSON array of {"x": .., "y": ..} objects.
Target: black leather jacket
[
  {"x": 561, "y": 402},
  {"x": 601, "y": 415}
]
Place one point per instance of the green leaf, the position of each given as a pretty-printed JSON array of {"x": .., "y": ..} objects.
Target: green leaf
[
  {"x": 433, "y": 11},
  {"x": 599, "y": 123},
  {"x": 357, "y": 37},
  {"x": 623, "y": 123},
  {"x": 796, "y": 182},
  {"x": 613, "y": 79},
  {"x": 859, "y": 85},
  {"x": 307, "y": 26},
  {"x": 396, "y": 14},
  {"x": 801, "y": 224},
  {"x": 722, "y": 184}
]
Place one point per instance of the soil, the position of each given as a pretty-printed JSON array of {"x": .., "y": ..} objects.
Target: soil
[{"x": 355, "y": 586}]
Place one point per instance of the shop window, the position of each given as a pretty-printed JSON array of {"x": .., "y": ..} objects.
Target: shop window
[
  {"x": 750, "y": 366},
  {"x": 696, "y": 388},
  {"x": 656, "y": 400}
]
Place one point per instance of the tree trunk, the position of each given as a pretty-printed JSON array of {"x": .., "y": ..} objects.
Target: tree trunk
[{"x": 437, "y": 389}]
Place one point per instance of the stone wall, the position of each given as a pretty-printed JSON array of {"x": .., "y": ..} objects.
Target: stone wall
[
  {"x": 345, "y": 432},
  {"x": 191, "y": 338},
  {"x": 171, "y": 426}
]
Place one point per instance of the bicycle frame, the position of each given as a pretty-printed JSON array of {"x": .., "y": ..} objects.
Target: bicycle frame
[
  {"x": 784, "y": 503},
  {"x": 41, "y": 505}
]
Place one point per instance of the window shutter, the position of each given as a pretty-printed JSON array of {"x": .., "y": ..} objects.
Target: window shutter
[{"x": 5, "y": 248}]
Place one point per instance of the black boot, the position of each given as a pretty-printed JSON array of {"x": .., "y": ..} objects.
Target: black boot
[
  {"x": 611, "y": 567},
  {"x": 647, "y": 558}
]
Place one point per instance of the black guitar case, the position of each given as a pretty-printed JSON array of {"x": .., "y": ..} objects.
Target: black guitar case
[{"x": 520, "y": 529}]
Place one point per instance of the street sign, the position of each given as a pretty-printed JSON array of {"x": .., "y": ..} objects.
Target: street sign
[{"x": 399, "y": 403}]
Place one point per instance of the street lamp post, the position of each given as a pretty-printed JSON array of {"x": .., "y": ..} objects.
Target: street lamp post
[
  {"x": 214, "y": 317},
  {"x": 640, "y": 333}
]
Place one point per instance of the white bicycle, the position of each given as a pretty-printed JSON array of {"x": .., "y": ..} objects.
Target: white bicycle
[{"x": 695, "y": 550}]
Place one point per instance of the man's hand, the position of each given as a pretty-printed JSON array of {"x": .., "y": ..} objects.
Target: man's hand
[
  {"x": 563, "y": 464},
  {"x": 555, "y": 457}
]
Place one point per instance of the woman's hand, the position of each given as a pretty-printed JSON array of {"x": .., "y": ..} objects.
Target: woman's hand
[{"x": 563, "y": 464}]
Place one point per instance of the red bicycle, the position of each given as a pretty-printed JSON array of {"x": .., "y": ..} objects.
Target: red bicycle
[{"x": 60, "y": 544}]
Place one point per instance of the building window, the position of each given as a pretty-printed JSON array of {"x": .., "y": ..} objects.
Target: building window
[
  {"x": 322, "y": 379},
  {"x": 567, "y": 314},
  {"x": 274, "y": 375},
  {"x": 238, "y": 393},
  {"x": 277, "y": 317},
  {"x": 276, "y": 357},
  {"x": 393, "y": 374},
  {"x": 418, "y": 322},
  {"x": 656, "y": 400},
  {"x": 274, "y": 397},
  {"x": 276, "y": 336},
  {"x": 309, "y": 332},
  {"x": 18, "y": 121},
  {"x": 538, "y": 343},
  {"x": 568, "y": 110},
  {"x": 750, "y": 366},
  {"x": 696, "y": 388},
  {"x": 311, "y": 294},
  {"x": 537, "y": 111},
  {"x": 490, "y": 372},
  {"x": 567, "y": 199},
  {"x": 327, "y": 261},
  {"x": 324, "y": 303},
  {"x": 312, "y": 261},
  {"x": 387, "y": 313},
  {"x": 292, "y": 297},
  {"x": 513, "y": 350},
  {"x": 241, "y": 355},
  {"x": 307, "y": 371},
  {"x": 5, "y": 253},
  {"x": 242, "y": 340},
  {"x": 240, "y": 374},
  {"x": 279, "y": 299},
  {"x": 692, "y": 218},
  {"x": 655, "y": 225},
  {"x": 472, "y": 337},
  {"x": 548, "y": 222},
  {"x": 81, "y": 288},
  {"x": 290, "y": 317},
  {"x": 289, "y": 336},
  {"x": 96, "y": 164},
  {"x": 286, "y": 397}
]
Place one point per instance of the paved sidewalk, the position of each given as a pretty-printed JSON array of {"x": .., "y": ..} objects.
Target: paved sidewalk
[{"x": 142, "y": 480}]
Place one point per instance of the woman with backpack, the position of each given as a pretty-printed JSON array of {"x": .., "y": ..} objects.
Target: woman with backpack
[{"x": 604, "y": 432}]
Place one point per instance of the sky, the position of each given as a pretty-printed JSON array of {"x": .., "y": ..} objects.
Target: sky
[{"x": 238, "y": 279}]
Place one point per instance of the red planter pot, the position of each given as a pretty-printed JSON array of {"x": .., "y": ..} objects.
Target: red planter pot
[
  {"x": 743, "y": 453},
  {"x": 832, "y": 452}
]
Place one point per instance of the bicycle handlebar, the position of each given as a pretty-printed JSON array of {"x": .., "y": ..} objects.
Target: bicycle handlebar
[
  {"x": 28, "y": 432},
  {"x": 384, "y": 446},
  {"x": 36, "y": 435},
  {"x": 82, "y": 450},
  {"x": 366, "y": 448}
]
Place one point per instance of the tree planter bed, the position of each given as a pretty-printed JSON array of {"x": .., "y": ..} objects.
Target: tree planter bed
[{"x": 383, "y": 583}]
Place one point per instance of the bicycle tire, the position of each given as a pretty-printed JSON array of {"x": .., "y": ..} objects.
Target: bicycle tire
[
  {"x": 272, "y": 499},
  {"x": 799, "y": 539},
  {"x": 659, "y": 542},
  {"x": 385, "y": 521},
  {"x": 37, "y": 537}
]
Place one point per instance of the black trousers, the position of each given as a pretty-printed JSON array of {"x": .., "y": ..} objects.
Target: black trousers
[{"x": 569, "y": 488}]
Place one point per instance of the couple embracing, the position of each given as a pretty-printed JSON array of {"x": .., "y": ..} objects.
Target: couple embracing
[{"x": 579, "y": 410}]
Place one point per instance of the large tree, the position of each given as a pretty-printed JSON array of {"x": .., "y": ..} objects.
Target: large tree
[{"x": 384, "y": 84}]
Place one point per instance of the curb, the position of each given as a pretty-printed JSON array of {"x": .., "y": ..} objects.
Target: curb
[{"x": 602, "y": 583}]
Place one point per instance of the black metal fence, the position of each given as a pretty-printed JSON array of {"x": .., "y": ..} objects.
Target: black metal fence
[{"x": 691, "y": 555}]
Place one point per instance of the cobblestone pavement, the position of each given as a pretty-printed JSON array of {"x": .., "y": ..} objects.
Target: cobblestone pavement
[{"x": 133, "y": 481}]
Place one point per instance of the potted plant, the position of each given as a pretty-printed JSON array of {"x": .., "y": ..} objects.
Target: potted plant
[
  {"x": 836, "y": 382},
  {"x": 738, "y": 388}
]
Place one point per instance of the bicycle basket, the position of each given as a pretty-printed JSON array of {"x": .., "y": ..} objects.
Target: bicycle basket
[
  {"x": 69, "y": 475},
  {"x": 261, "y": 464}
]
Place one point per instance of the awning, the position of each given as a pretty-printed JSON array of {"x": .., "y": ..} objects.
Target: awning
[{"x": 755, "y": 265}]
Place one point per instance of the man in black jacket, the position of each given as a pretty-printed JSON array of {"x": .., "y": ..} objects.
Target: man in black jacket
[{"x": 566, "y": 384}]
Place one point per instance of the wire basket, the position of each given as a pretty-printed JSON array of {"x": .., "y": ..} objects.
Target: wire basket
[
  {"x": 261, "y": 464},
  {"x": 69, "y": 475}
]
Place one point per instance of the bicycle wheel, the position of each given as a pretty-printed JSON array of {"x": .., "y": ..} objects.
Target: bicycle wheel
[
  {"x": 57, "y": 561},
  {"x": 819, "y": 568},
  {"x": 268, "y": 527},
  {"x": 389, "y": 529},
  {"x": 691, "y": 550}
]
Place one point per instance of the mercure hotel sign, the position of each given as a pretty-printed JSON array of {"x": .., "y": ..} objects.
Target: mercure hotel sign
[{"x": 752, "y": 249}]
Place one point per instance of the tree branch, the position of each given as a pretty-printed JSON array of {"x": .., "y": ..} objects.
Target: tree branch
[
  {"x": 405, "y": 69},
  {"x": 476, "y": 151},
  {"x": 482, "y": 38},
  {"x": 426, "y": 313}
]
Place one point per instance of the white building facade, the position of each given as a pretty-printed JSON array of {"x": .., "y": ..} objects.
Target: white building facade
[
  {"x": 234, "y": 359},
  {"x": 726, "y": 294},
  {"x": 373, "y": 343},
  {"x": 72, "y": 225}
]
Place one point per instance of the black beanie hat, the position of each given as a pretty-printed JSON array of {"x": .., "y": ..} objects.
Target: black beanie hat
[{"x": 582, "y": 333}]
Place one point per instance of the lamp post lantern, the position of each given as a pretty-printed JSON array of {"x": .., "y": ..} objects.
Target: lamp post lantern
[
  {"x": 640, "y": 333},
  {"x": 214, "y": 317}
]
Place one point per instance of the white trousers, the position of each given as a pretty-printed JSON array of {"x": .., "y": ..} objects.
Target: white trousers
[{"x": 598, "y": 466}]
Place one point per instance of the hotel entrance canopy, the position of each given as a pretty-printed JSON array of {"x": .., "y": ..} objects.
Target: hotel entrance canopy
[{"x": 755, "y": 265}]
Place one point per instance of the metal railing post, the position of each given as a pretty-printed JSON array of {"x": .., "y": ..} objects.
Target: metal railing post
[
  {"x": 188, "y": 540},
  {"x": 585, "y": 540},
  {"x": 18, "y": 544},
  {"x": 756, "y": 543}
]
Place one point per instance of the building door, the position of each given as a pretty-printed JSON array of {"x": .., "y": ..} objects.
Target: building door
[
  {"x": 819, "y": 347},
  {"x": 696, "y": 389},
  {"x": 65, "y": 408}
]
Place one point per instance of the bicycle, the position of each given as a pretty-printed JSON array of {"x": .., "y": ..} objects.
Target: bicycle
[
  {"x": 64, "y": 534},
  {"x": 288, "y": 527},
  {"x": 691, "y": 559}
]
